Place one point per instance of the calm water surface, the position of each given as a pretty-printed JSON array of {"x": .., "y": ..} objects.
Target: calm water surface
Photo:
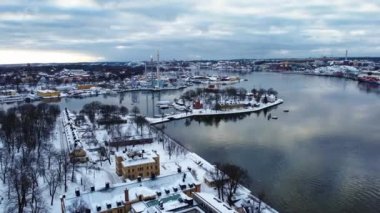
[{"x": 322, "y": 156}]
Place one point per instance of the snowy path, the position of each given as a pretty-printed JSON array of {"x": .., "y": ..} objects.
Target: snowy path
[{"x": 112, "y": 176}]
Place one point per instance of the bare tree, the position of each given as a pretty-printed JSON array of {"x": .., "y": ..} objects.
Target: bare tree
[
  {"x": 236, "y": 175},
  {"x": 23, "y": 186},
  {"x": 123, "y": 110},
  {"x": 65, "y": 162},
  {"x": 218, "y": 178},
  {"x": 78, "y": 205},
  {"x": 135, "y": 110},
  {"x": 5, "y": 160},
  {"x": 53, "y": 180},
  {"x": 140, "y": 122},
  {"x": 170, "y": 148}
]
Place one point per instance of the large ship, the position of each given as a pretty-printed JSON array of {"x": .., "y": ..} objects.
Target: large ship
[
  {"x": 9, "y": 96},
  {"x": 369, "y": 77}
]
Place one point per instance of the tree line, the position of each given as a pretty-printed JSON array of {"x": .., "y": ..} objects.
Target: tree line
[{"x": 28, "y": 159}]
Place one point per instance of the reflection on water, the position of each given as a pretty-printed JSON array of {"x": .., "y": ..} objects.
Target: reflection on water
[
  {"x": 369, "y": 88},
  {"x": 216, "y": 120},
  {"x": 322, "y": 156}
]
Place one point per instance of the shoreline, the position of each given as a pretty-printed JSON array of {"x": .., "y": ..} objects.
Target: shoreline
[
  {"x": 209, "y": 112},
  {"x": 206, "y": 165}
]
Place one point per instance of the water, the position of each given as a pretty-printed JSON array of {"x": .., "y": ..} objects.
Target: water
[{"x": 322, "y": 156}]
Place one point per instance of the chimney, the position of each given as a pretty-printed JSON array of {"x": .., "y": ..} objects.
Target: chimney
[
  {"x": 98, "y": 208},
  {"x": 179, "y": 170},
  {"x": 126, "y": 195},
  {"x": 77, "y": 192},
  {"x": 107, "y": 185},
  {"x": 92, "y": 188},
  {"x": 189, "y": 201},
  {"x": 109, "y": 205}
]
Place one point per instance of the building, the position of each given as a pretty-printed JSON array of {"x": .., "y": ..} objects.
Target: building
[
  {"x": 197, "y": 104},
  {"x": 133, "y": 164},
  {"x": 48, "y": 93},
  {"x": 84, "y": 86},
  {"x": 74, "y": 144},
  {"x": 166, "y": 193}
]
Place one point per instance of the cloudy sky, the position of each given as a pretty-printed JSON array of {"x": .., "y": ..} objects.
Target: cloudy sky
[{"x": 125, "y": 30}]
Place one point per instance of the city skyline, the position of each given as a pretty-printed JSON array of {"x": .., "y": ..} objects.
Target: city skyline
[{"x": 91, "y": 30}]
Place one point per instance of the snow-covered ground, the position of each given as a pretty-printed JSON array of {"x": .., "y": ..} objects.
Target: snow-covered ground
[{"x": 97, "y": 173}]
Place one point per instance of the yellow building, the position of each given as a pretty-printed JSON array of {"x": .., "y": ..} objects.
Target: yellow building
[
  {"x": 78, "y": 155},
  {"x": 48, "y": 93},
  {"x": 135, "y": 164},
  {"x": 84, "y": 86}
]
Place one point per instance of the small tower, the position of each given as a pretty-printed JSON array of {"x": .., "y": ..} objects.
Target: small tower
[
  {"x": 158, "y": 65},
  {"x": 346, "y": 55},
  {"x": 158, "y": 70}
]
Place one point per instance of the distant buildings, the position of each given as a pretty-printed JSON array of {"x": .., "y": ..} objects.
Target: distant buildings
[{"x": 48, "y": 93}]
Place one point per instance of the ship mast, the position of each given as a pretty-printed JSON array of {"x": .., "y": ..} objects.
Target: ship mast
[{"x": 158, "y": 65}]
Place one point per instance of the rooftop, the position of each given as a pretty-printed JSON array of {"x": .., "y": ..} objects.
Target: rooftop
[
  {"x": 212, "y": 201},
  {"x": 163, "y": 187},
  {"x": 133, "y": 158}
]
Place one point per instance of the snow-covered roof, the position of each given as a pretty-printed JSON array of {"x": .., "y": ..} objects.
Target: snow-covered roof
[
  {"x": 212, "y": 202},
  {"x": 46, "y": 91},
  {"x": 139, "y": 207},
  {"x": 335, "y": 68},
  {"x": 146, "y": 188},
  {"x": 71, "y": 133},
  {"x": 134, "y": 158}
]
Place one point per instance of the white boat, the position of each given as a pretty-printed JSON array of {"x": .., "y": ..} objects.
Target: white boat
[
  {"x": 369, "y": 77},
  {"x": 163, "y": 103},
  {"x": 179, "y": 107},
  {"x": 164, "y": 106},
  {"x": 12, "y": 98}
]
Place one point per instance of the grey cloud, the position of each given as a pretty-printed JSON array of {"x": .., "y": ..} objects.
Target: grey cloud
[{"x": 181, "y": 31}]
